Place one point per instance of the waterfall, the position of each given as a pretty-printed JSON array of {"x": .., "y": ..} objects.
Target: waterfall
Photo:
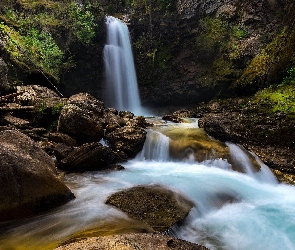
[
  {"x": 156, "y": 147},
  {"x": 121, "y": 83},
  {"x": 242, "y": 157}
]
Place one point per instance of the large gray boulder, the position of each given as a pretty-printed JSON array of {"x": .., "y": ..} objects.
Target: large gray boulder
[{"x": 28, "y": 178}]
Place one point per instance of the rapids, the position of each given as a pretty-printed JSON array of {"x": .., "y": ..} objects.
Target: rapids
[{"x": 233, "y": 210}]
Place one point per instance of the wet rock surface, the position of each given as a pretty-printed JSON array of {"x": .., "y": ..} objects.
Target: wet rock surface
[
  {"x": 29, "y": 180},
  {"x": 271, "y": 137},
  {"x": 132, "y": 241},
  {"x": 157, "y": 206},
  {"x": 88, "y": 157},
  {"x": 127, "y": 139}
]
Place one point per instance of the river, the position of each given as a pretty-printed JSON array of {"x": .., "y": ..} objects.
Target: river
[{"x": 236, "y": 210}]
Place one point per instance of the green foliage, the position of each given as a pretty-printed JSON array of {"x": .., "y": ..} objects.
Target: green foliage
[
  {"x": 56, "y": 109},
  {"x": 42, "y": 108},
  {"x": 273, "y": 60},
  {"x": 83, "y": 25},
  {"x": 222, "y": 68},
  {"x": 42, "y": 49},
  {"x": 278, "y": 99},
  {"x": 240, "y": 32},
  {"x": 31, "y": 29},
  {"x": 33, "y": 47}
]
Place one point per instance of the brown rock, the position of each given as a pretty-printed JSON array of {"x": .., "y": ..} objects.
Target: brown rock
[
  {"x": 89, "y": 103},
  {"x": 28, "y": 178},
  {"x": 89, "y": 156},
  {"x": 4, "y": 85},
  {"x": 127, "y": 139},
  {"x": 61, "y": 138},
  {"x": 81, "y": 124},
  {"x": 131, "y": 242},
  {"x": 36, "y": 95},
  {"x": 157, "y": 206}
]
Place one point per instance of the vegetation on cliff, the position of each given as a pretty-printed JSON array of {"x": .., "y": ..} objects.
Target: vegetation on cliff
[{"x": 36, "y": 34}]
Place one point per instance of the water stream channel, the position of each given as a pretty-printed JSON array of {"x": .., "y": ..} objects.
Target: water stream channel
[{"x": 245, "y": 208}]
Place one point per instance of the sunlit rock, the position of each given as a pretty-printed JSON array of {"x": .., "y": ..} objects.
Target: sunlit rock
[{"x": 132, "y": 241}]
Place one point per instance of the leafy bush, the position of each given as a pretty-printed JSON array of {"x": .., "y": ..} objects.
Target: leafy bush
[
  {"x": 82, "y": 22},
  {"x": 34, "y": 47},
  {"x": 30, "y": 32}
]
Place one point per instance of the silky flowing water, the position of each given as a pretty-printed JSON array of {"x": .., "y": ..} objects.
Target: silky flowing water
[
  {"x": 121, "y": 82},
  {"x": 233, "y": 210}
]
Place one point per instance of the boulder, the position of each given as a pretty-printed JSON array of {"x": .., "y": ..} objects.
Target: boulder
[
  {"x": 140, "y": 122},
  {"x": 61, "y": 138},
  {"x": 46, "y": 103},
  {"x": 222, "y": 127},
  {"x": 157, "y": 206},
  {"x": 89, "y": 103},
  {"x": 38, "y": 96},
  {"x": 126, "y": 115},
  {"x": 127, "y": 139},
  {"x": 82, "y": 124},
  {"x": 89, "y": 156},
  {"x": 137, "y": 241},
  {"x": 82, "y": 118},
  {"x": 28, "y": 178}
]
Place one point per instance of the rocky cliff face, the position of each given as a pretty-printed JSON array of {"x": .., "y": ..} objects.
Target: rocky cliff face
[
  {"x": 185, "y": 51},
  {"x": 198, "y": 51}
]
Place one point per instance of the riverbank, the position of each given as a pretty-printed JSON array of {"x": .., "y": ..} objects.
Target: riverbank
[{"x": 245, "y": 121}]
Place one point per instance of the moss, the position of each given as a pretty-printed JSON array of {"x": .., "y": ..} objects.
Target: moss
[
  {"x": 213, "y": 36},
  {"x": 274, "y": 59},
  {"x": 223, "y": 68},
  {"x": 239, "y": 32},
  {"x": 277, "y": 99},
  {"x": 56, "y": 109}
]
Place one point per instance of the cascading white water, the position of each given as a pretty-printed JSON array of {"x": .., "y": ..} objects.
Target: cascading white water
[
  {"x": 156, "y": 147},
  {"x": 121, "y": 82},
  {"x": 233, "y": 211}
]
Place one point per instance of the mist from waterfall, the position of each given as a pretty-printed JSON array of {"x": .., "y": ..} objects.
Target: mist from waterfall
[{"x": 121, "y": 83}]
